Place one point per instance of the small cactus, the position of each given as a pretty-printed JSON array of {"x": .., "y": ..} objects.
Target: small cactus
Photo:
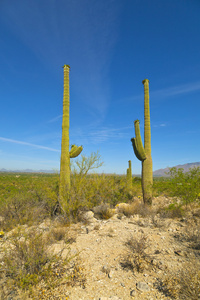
[
  {"x": 144, "y": 153},
  {"x": 129, "y": 176},
  {"x": 64, "y": 186}
]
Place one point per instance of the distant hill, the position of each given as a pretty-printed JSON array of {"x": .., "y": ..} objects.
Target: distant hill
[
  {"x": 27, "y": 171},
  {"x": 185, "y": 167},
  {"x": 160, "y": 172}
]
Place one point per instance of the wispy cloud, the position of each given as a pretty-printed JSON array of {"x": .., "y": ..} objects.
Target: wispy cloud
[
  {"x": 54, "y": 119},
  {"x": 101, "y": 135},
  {"x": 168, "y": 92},
  {"x": 159, "y": 125},
  {"x": 177, "y": 90},
  {"x": 27, "y": 144}
]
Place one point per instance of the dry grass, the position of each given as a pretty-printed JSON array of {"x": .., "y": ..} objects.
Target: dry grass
[
  {"x": 192, "y": 233},
  {"x": 26, "y": 263},
  {"x": 184, "y": 285},
  {"x": 103, "y": 211},
  {"x": 136, "y": 207},
  {"x": 137, "y": 257}
]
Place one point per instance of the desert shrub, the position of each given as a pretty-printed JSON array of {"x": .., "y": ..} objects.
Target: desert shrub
[
  {"x": 136, "y": 207},
  {"x": 173, "y": 211},
  {"x": 184, "y": 186},
  {"x": 137, "y": 257},
  {"x": 30, "y": 198},
  {"x": 57, "y": 234},
  {"x": 33, "y": 199},
  {"x": 26, "y": 262},
  {"x": 26, "y": 208},
  {"x": 97, "y": 189},
  {"x": 77, "y": 276},
  {"x": 192, "y": 233},
  {"x": 161, "y": 186},
  {"x": 184, "y": 285},
  {"x": 103, "y": 211},
  {"x": 93, "y": 189},
  {"x": 159, "y": 222},
  {"x": 196, "y": 213}
]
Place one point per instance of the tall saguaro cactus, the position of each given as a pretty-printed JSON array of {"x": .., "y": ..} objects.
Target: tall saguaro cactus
[
  {"x": 64, "y": 186},
  {"x": 144, "y": 153}
]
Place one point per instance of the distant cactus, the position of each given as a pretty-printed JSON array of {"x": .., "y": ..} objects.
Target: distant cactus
[
  {"x": 64, "y": 186},
  {"x": 129, "y": 176},
  {"x": 144, "y": 153}
]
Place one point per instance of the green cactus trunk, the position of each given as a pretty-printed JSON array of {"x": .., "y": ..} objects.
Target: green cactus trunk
[
  {"x": 129, "y": 176},
  {"x": 144, "y": 153},
  {"x": 64, "y": 186},
  {"x": 147, "y": 166}
]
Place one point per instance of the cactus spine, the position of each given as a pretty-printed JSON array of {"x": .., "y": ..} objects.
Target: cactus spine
[
  {"x": 64, "y": 186},
  {"x": 129, "y": 176},
  {"x": 144, "y": 153}
]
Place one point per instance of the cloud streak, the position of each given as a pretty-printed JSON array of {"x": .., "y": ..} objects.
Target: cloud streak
[
  {"x": 54, "y": 119},
  {"x": 177, "y": 90},
  {"x": 168, "y": 92},
  {"x": 27, "y": 144},
  {"x": 101, "y": 135}
]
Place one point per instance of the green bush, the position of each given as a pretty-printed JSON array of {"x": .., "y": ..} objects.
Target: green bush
[{"x": 184, "y": 186}]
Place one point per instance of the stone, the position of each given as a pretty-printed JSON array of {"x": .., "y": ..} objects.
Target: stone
[
  {"x": 121, "y": 206},
  {"x": 106, "y": 269},
  {"x": 133, "y": 293},
  {"x": 142, "y": 286},
  {"x": 88, "y": 215},
  {"x": 110, "y": 274}
]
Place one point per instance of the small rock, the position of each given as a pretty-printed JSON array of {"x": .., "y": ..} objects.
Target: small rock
[
  {"x": 106, "y": 269},
  {"x": 122, "y": 206},
  {"x": 132, "y": 293},
  {"x": 178, "y": 252},
  {"x": 142, "y": 286},
  {"x": 110, "y": 274},
  {"x": 87, "y": 215},
  {"x": 157, "y": 252}
]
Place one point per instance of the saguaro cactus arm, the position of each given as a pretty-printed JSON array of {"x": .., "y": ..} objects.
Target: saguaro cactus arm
[
  {"x": 75, "y": 151},
  {"x": 137, "y": 143}
]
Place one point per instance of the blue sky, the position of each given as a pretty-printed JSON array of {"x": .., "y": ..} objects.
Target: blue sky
[{"x": 111, "y": 46}]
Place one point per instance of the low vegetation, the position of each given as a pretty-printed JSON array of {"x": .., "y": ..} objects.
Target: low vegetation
[
  {"x": 137, "y": 258},
  {"x": 27, "y": 200}
]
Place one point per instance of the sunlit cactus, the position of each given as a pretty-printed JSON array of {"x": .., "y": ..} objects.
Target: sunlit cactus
[
  {"x": 129, "y": 176},
  {"x": 144, "y": 153},
  {"x": 64, "y": 186}
]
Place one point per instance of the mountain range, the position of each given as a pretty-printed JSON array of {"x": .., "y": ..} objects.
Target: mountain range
[
  {"x": 160, "y": 172},
  {"x": 185, "y": 167}
]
